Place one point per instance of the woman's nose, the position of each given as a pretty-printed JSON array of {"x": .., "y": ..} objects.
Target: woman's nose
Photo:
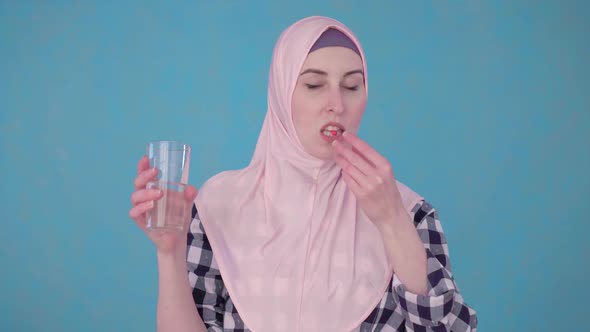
[{"x": 335, "y": 103}]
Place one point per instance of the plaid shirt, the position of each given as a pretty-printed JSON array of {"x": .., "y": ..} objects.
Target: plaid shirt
[{"x": 442, "y": 309}]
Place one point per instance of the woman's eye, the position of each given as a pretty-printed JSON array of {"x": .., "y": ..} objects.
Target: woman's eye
[
  {"x": 312, "y": 86},
  {"x": 352, "y": 88}
]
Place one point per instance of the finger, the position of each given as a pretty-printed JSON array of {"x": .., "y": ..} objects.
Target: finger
[
  {"x": 190, "y": 193},
  {"x": 354, "y": 158},
  {"x": 137, "y": 213},
  {"x": 144, "y": 177},
  {"x": 352, "y": 171},
  {"x": 366, "y": 150},
  {"x": 143, "y": 164},
  {"x": 144, "y": 195},
  {"x": 352, "y": 184}
]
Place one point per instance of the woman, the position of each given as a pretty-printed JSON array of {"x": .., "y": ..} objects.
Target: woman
[{"x": 316, "y": 234}]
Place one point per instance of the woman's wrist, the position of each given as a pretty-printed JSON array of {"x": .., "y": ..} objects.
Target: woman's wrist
[{"x": 175, "y": 256}]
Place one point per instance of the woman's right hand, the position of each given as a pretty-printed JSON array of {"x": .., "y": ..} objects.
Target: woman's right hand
[{"x": 143, "y": 201}]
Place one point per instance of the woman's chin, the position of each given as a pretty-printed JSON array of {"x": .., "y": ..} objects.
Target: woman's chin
[{"x": 324, "y": 153}]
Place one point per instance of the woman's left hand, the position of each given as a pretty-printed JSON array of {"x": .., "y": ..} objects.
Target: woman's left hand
[{"x": 370, "y": 177}]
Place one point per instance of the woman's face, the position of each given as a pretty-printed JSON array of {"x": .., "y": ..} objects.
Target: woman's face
[{"x": 329, "y": 98}]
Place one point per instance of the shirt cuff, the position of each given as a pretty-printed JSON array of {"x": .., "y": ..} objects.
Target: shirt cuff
[{"x": 432, "y": 309}]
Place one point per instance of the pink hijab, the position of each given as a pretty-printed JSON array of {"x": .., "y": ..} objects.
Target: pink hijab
[{"x": 294, "y": 249}]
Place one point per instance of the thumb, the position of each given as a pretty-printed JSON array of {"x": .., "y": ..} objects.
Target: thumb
[{"x": 190, "y": 193}]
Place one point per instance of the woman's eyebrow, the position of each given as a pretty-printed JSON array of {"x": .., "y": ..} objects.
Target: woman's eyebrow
[
  {"x": 313, "y": 71},
  {"x": 356, "y": 71},
  {"x": 321, "y": 72}
]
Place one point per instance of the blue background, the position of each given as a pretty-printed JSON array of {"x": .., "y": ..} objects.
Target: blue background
[{"x": 482, "y": 107}]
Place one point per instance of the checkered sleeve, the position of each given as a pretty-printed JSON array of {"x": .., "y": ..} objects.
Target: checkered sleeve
[
  {"x": 443, "y": 307},
  {"x": 208, "y": 289}
]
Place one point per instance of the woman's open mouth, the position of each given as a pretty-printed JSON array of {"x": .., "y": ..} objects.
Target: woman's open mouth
[{"x": 331, "y": 131}]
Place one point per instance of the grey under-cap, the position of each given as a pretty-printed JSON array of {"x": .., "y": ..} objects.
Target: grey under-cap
[{"x": 334, "y": 37}]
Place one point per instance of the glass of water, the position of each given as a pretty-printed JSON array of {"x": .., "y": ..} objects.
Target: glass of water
[{"x": 172, "y": 159}]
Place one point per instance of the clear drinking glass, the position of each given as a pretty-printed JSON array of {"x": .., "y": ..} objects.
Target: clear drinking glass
[{"x": 172, "y": 159}]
